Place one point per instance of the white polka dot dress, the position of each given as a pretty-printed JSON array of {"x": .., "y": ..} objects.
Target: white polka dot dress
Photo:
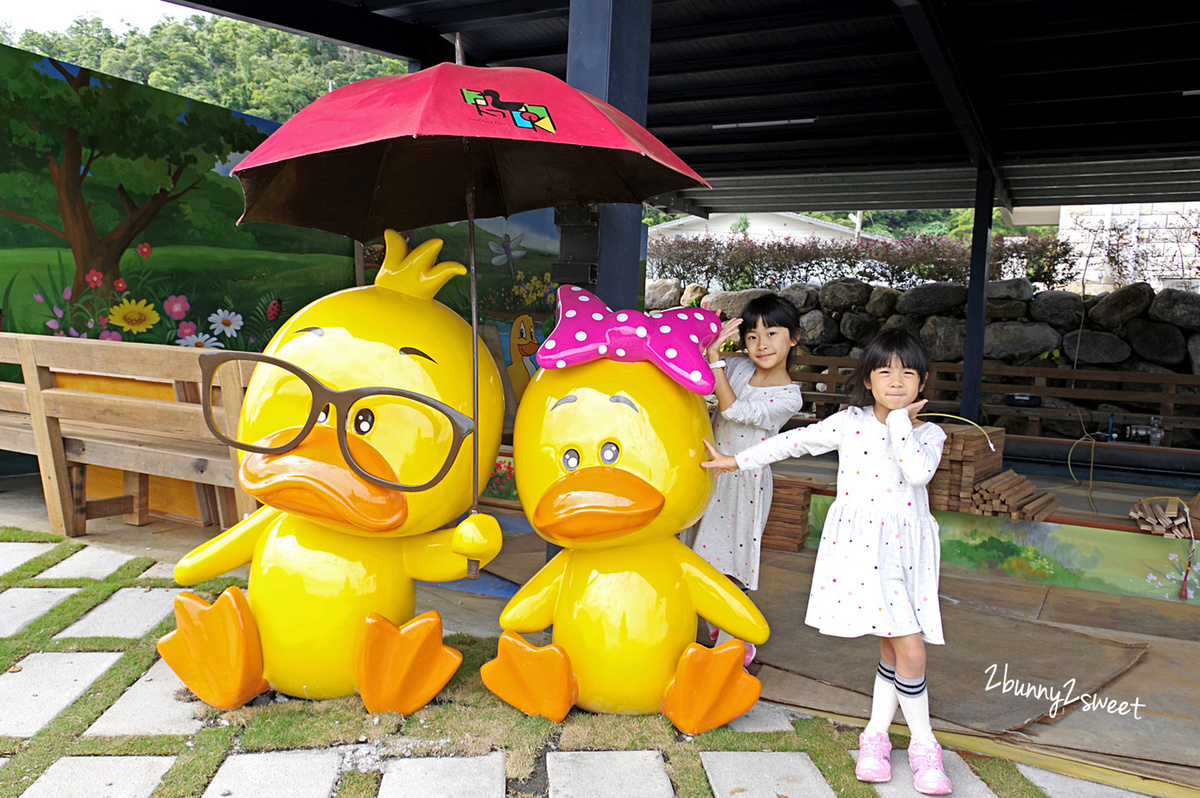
[
  {"x": 729, "y": 535},
  {"x": 878, "y": 564}
]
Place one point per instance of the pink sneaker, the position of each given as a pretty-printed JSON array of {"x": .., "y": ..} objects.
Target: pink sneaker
[
  {"x": 713, "y": 634},
  {"x": 929, "y": 776},
  {"x": 751, "y": 651},
  {"x": 874, "y": 758}
]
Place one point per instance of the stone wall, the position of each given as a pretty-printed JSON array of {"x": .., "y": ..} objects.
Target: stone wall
[{"x": 1133, "y": 328}]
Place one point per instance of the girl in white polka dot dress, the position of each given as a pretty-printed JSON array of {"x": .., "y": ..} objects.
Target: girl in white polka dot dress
[
  {"x": 755, "y": 397},
  {"x": 877, "y": 567}
]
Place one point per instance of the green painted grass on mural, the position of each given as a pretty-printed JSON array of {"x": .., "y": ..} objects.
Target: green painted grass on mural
[{"x": 208, "y": 276}]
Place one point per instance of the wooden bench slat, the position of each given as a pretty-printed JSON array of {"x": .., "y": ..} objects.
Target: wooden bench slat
[
  {"x": 13, "y": 399},
  {"x": 170, "y": 419},
  {"x": 116, "y": 358},
  {"x": 197, "y": 463}
]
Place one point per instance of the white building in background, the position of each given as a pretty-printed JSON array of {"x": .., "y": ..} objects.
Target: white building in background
[
  {"x": 1156, "y": 242},
  {"x": 761, "y": 226}
]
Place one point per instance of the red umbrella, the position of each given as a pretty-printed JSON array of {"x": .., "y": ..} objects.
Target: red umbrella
[
  {"x": 407, "y": 151},
  {"x": 449, "y": 143}
]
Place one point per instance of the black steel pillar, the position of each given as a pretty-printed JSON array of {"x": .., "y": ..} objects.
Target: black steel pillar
[
  {"x": 608, "y": 56},
  {"x": 981, "y": 238}
]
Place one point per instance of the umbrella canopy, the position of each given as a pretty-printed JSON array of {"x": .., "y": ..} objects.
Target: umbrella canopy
[{"x": 406, "y": 151}]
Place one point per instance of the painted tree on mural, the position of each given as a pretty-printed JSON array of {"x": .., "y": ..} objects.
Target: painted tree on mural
[{"x": 90, "y": 136}]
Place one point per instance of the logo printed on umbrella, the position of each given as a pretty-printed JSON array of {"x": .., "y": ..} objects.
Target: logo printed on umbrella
[{"x": 523, "y": 115}]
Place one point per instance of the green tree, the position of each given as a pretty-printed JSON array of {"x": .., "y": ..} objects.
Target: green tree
[
  {"x": 239, "y": 65},
  {"x": 93, "y": 139}
]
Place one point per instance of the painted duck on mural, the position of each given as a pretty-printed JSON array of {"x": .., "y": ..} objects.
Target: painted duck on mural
[
  {"x": 607, "y": 449},
  {"x": 522, "y": 346},
  {"x": 360, "y": 485}
]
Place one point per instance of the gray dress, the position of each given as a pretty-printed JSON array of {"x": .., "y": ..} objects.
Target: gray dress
[
  {"x": 878, "y": 564},
  {"x": 730, "y": 533}
]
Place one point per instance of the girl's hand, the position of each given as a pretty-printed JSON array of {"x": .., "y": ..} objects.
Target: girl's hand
[
  {"x": 914, "y": 409},
  {"x": 721, "y": 462},
  {"x": 728, "y": 331}
]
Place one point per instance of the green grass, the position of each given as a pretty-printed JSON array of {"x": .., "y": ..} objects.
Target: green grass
[{"x": 464, "y": 720}]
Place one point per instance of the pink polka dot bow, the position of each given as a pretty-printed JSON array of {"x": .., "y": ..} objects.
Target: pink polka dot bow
[{"x": 588, "y": 330}]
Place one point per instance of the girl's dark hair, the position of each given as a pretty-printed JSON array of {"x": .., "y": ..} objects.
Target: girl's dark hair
[
  {"x": 887, "y": 344},
  {"x": 772, "y": 310}
]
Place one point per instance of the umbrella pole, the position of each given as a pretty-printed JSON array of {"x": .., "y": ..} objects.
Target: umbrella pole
[{"x": 473, "y": 565}]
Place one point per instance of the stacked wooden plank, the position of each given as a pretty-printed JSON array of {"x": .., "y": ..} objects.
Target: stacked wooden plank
[
  {"x": 787, "y": 523},
  {"x": 966, "y": 460},
  {"x": 1011, "y": 495},
  {"x": 1171, "y": 521}
]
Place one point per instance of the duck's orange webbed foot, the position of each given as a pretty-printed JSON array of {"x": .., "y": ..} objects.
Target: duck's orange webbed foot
[
  {"x": 215, "y": 649},
  {"x": 710, "y": 688},
  {"x": 537, "y": 681},
  {"x": 400, "y": 669}
]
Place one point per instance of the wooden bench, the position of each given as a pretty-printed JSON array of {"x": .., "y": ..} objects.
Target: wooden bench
[
  {"x": 1164, "y": 395},
  {"x": 69, "y": 427}
]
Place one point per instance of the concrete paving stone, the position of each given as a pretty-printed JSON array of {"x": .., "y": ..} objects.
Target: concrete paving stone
[
  {"x": 437, "y": 777},
  {"x": 754, "y": 774},
  {"x": 276, "y": 774},
  {"x": 14, "y": 554},
  {"x": 966, "y": 783},
  {"x": 149, "y": 706},
  {"x": 765, "y": 716},
  {"x": 160, "y": 570},
  {"x": 607, "y": 774},
  {"x": 101, "y": 777},
  {"x": 20, "y": 605},
  {"x": 1058, "y": 785},
  {"x": 130, "y": 612},
  {"x": 92, "y": 562},
  {"x": 46, "y": 684}
]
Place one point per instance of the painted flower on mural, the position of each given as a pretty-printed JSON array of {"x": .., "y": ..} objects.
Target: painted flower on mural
[
  {"x": 200, "y": 341},
  {"x": 67, "y": 294},
  {"x": 185, "y": 329},
  {"x": 109, "y": 335},
  {"x": 144, "y": 249},
  {"x": 120, "y": 284},
  {"x": 94, "y": 278},
  {"x": 134, "y": 317},
  {"x": 225, "y": 322},
  {"x": 176, "y": 306}
]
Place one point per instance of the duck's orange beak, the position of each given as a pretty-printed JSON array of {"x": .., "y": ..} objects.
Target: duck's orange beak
[
  {"x": 597, "y": 503},
  {"x": 313, "y": 480}
]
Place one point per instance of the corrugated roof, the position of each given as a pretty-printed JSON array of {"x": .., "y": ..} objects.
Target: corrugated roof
[{"x": 1067, "y": 103}]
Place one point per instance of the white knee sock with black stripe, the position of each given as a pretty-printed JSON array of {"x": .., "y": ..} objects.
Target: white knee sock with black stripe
[
  {"x": 884, "y": 699},
  {"x": 914, "y": 702}
]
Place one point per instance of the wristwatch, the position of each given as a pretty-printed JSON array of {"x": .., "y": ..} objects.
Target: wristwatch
[{"x": 717, "y": 364}]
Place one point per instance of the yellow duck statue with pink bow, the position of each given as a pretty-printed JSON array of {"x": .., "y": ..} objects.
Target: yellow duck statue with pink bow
[{"x": 607, "y": 448}]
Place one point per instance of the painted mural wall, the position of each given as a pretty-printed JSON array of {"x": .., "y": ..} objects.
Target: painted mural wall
[
  {"x": 1107, "y": 560},
  {"x": 118, "y": 221}
]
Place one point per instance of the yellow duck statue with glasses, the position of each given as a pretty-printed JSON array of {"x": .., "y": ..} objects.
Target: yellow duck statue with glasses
[
  {"x": 607, "y": 448},
  {"x": 355, "y": 435}
]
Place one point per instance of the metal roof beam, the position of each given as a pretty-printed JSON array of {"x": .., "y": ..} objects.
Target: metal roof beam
[
  {"x": 927, "y": 33},
  {"x": 481, "y": 16},
  {"x": 337, "y": 23}
]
